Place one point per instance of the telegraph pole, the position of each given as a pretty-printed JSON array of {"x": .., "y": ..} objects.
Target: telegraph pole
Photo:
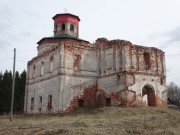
[{"x": 12, "y": 96}]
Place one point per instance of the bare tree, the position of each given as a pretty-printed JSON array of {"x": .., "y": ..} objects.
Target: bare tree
[{"x": 174, "y": 93}]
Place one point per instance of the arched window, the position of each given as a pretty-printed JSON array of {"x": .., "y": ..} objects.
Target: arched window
[
  {"x": 32, "y": 104},
  {"x": 40, "y": 103},
  {"x": 72, "y": 28},
  {"x": 147, "y": 61}
]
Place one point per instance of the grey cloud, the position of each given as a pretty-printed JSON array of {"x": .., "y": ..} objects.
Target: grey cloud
[
  {"x": 3, "y": 44},
  {"x": 172, "y": 38},
  {"x": 174, "y": 35},
  {"x": 30, "y": 13},
  {"x": 25, "y": 35},
  {"x": 5, "y": 27},
  {"x": 5, "y": 11},
  {"x": 172, "y": 55}
]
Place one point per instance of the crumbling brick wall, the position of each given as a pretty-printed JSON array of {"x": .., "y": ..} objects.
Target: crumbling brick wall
[{"x": 89, "y": 75}]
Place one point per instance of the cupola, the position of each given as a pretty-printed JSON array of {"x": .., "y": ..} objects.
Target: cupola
[{"x": 66, "y": 25}]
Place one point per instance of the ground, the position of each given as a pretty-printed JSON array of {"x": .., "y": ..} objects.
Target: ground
[{"x": 97, "y": 121}]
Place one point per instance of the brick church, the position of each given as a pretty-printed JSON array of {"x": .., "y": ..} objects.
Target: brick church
[{"x": 69, "y": 72}]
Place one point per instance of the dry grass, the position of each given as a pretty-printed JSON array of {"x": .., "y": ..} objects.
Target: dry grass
[{"x": 103, "y": 121}]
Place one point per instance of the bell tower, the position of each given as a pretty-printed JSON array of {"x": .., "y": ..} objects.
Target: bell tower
[{"x": 66, "y": 25}]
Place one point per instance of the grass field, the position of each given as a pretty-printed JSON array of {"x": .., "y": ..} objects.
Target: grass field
[{"x": 102, "y": 121}]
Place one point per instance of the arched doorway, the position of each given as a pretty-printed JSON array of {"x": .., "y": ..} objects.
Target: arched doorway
[{"x": 148, "y": 95}]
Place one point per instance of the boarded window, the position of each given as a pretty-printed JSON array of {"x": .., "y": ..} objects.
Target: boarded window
[
  {"x": 72, "y": 28},
  {"x": 51, "y": 63},
  {"x": 32, "y": 104},
  {"x": 42, "y": 67},
  {"x": 147, "y": 61},
  {"x": 108, "y": 101},
  {"x": 49, "y": 102},
  {"x": 81, "y": 103},
  {"x": 63, "y": 26}
]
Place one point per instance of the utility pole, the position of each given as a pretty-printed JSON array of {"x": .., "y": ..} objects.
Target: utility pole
[{"x": 12, "y": 96}]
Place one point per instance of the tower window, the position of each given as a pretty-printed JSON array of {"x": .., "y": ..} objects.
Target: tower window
[
  {"x": 55, "y": 28},
  {"x": 72, "y": 27},
  {"x": 147, "y": 61},
  {"x": 63, "y": 26}
]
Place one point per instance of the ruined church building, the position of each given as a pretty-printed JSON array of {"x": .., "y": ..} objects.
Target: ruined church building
[{"x": 69, "y": 72}]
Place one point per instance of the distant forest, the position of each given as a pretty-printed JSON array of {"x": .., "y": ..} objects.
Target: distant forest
[
  {"x": 6, "y": 91},
  {"x": 20, "y": 80},
  {"x": 173, "y": 93}
]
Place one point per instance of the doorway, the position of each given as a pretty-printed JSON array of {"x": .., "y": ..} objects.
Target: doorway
[{"x": 148, "y": 95}]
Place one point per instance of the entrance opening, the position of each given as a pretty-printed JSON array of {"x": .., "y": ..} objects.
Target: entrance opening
[
  {"x": 148, "y": 94},
  {"x": 81, "y": 103},
  {"x": 108, "y": 101}
]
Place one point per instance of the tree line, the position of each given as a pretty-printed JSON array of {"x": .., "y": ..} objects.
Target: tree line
[
  {"x": 6, "y": 92},
  {"x": 173, "y": 93}
]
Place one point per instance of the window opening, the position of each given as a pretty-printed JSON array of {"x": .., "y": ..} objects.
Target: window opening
[
  {"x": 49, "y": 102},
  {"x": 81, "y": 103},
  {"x": 108, "y": 101},
  {"x": 40, "y": 103},
  {"x": 147, "y": 61},
  {"x": 72, "y": 27},
  {"x": 55, "y": 28},
  {"x": 118, "y": 78},
  {"x": 63, "y": 26},
  {"x": 32, "y": 104}
]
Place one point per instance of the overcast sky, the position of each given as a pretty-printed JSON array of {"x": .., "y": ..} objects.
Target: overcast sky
[{"x": 154, "y": 23}]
